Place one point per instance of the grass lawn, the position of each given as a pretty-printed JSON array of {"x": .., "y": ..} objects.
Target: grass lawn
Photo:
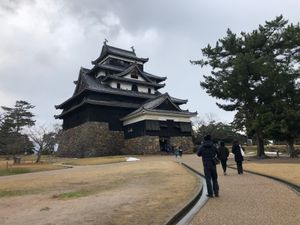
[
  {"x": 28, "y": 165},
  {"x": 268, "y": 148},
  {"x": 143, "y": 192},
  {"x": 92, "y": 160},
  {"x": 26, "y": 168},
  {"x": 285, "y": 171}
]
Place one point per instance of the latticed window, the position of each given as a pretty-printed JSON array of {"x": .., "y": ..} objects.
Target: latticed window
[
  {"x": 152, "y": 125},
  {"x": 185, "y": 127},
  {"x": 134, "y": 74},
  {"x": 134, "y": 87}
]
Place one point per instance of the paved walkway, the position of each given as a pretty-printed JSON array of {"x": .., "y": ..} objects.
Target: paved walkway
[{"x": 247, "y": 200}]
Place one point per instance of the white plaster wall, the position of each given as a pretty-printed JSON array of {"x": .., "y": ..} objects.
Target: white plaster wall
[
  {"x": 113, "y": 84},
  {"x": 127, "y": 86},
  {"x": 142, "y": 89},
  {"x": 145, "y": 89},
  {"x": 157, "y": 117},
  {"x": 123, "y": 86}
]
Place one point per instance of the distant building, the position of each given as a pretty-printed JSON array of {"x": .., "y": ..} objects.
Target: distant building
[{"x": 116, "y": 108}]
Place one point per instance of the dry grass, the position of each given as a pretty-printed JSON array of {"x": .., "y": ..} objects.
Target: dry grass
[
  {"x": 49, "y": 159},
  {"x": 286, "y": 171},
  {"x": 93, "y": 160},
  {"x": 12, "y": 169},
  {"x": 135, "y": 193},
  {"x": 28, "y": 165},
  {"x": 269, "y": 148}
]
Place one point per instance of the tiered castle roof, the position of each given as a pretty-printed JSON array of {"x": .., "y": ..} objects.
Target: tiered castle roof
[{"x": 118, "y": 72}]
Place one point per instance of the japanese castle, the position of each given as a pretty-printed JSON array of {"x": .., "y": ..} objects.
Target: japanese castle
[{"x": 116, "y": 108}]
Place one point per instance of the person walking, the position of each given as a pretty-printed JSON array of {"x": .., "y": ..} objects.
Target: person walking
[
  {"x": 208, "y": 152},
  {"x": 176, "y": 152},
  {"x": 223, "y": 156},
  {"x": 180, "y": 151},
  {"x": 238, "y": 157}
]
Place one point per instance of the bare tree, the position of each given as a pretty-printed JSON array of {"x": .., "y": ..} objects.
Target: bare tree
[{"x": 43, "y": 139}]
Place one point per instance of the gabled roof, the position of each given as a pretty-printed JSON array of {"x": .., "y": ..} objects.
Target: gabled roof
[
  {"x": 110, "y": 50},
  {"x": 155, "y": 102},
  {"x": 133, "y": 68},
  {"x": 98, "y": 102},
  {"x": 108, "y": 67},
  {"x": 87, "y": 82},
  {"x": 112, "y": 77},
  {"x": 119, "y": 69},
  {"x": 120, "y": 77},
  {"x": 81, "y": 81},
  {"x": 152, "y": 106},
  {"x": 154, "y": 77}
]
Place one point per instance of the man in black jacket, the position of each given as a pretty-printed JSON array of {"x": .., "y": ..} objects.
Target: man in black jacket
[
  {"x": 223, "y": 153},
  {"x": 238, "y": 156},
  {"x": 208, "y": 152}
]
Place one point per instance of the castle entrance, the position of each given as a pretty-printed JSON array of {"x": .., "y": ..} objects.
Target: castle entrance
[{"x": 164, "y": 144}]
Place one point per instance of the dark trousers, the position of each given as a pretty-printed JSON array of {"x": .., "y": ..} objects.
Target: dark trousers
[
  {"x": 239, "y": 165},
  {"x": 224, "y": 165},
  {"x": 211, "y": 178}
]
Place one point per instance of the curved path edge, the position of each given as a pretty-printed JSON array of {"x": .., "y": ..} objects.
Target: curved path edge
[
  {"x": 186, "y": 213},
  {"x": 292, "y": 186}
]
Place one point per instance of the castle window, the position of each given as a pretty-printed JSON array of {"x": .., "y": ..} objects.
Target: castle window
[
  {"x": 134, "y": 74},
  {"x": 149, "y": 90},
  {"x": 152, "y": 125},
  {"x": 134, "y": 87},
  {"x": 185, "y": 127},
  {"x": 118, "y": 85}
]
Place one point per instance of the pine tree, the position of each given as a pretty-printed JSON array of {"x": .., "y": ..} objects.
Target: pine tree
[
  {"x": 257, "y": 73},
  {"x": 12, "y": 122}
]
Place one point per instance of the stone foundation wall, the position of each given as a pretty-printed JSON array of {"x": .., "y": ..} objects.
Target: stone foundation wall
[
  {"x": 95, "y": 139},
  {"x": 142, "y": 145},
  {"x": 186, "y": 143},
  {"x": 90, "y": 139}
]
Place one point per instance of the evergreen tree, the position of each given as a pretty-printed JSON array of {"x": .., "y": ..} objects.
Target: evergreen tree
[
  {"x": 19, "y": 116},
  {"x": 257, "y": 73},
  {"x": 13, "y": 120},
  {"x": 219, "y": 132}
]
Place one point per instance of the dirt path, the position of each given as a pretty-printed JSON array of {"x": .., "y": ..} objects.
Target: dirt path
[{"x": 247, "y": 199}]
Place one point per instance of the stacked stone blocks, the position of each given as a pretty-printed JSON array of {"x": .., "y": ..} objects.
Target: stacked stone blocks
[{"x": 96, "y": 139}]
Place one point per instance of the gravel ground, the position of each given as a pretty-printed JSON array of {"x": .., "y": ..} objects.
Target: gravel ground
[{"x": 247, "y": 199}]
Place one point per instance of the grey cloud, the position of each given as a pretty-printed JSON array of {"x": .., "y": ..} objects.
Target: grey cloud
[
  {"x": 13, "y": 5},
  {"x": 39, "y": 65}
]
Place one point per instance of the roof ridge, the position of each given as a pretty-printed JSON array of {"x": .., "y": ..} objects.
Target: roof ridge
[
  {"x": 129, "y": 69},
  {"x": 116, "y": 48}
]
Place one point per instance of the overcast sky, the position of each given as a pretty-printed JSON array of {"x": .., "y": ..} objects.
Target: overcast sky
[{"x": 43, "y": 43}]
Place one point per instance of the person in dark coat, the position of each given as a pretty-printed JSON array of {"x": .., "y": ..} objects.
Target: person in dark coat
[
  {"x": 180, "y": 151},
  {"x": 208, "y": 152},
  {"x": 223, "y": 155},
  {"x": 238, "y": 157}
]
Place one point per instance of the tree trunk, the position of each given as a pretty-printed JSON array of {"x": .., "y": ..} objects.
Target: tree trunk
[
  {"x": 39, "y": 154},
  {"x": 260, "y": 147},
  {"x": 291, "y": 148},
  {"x": 38, "y": 158}
]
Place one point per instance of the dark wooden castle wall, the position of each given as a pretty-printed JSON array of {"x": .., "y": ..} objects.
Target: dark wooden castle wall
[
  {"x": 94, "y": 113},
  {"x": 75, "y": 118},
  {"x": 103, "y": 97},
  {"x": 120, "y": 98},
  {"x": 167, "y": 128}
]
